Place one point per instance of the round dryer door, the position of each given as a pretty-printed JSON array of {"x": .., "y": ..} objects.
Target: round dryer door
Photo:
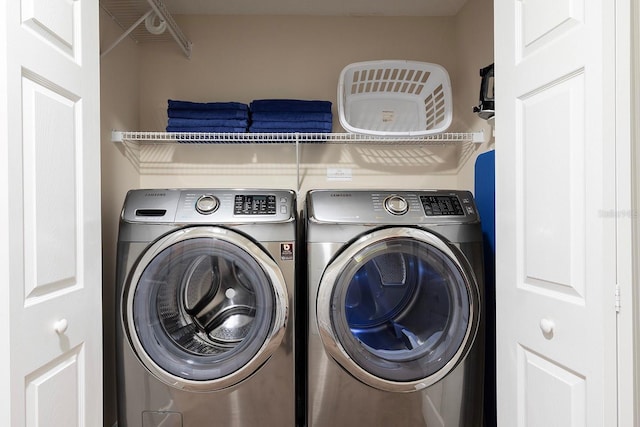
[
  {"x": 398, "y": 309},
  {"x": 204, "y": 308}
]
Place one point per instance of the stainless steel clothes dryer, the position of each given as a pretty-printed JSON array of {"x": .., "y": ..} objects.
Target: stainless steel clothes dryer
[
  {"x": 395, "y": 331},
  {"x": 205, "y": 282}
]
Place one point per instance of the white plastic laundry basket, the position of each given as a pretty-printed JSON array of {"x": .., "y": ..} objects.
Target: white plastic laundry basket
[{"x": 394, "y": 98}]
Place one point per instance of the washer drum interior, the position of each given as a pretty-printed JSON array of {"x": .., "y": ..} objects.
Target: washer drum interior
[{"x": 205, "y": 308}]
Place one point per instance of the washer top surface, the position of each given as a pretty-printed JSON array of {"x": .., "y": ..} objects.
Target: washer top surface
[
  {"x": 202, "y": 206},
  {"x": 391, "y": 207}
]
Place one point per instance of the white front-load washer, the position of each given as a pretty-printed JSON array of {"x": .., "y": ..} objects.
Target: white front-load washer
[
  {"x": 205, "y": 290},
  {"x": 395, "y": 330}
]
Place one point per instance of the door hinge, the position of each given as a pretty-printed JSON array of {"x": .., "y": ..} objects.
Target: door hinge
[{"x": 617, "y": 304}]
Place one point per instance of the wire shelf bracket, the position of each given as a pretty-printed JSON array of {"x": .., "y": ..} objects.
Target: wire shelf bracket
[{"x": 157, "y": 19}]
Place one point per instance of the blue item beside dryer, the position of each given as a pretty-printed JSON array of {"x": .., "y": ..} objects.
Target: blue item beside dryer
[{"x": 485, "y": 196}]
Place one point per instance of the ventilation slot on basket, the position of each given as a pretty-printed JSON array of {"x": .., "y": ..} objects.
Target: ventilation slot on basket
[
  {"x": 435, "y": 107},
  {"x": 389, "y": 80}
]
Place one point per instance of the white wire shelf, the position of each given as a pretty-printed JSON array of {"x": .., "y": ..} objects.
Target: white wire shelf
[
  {"x": 138, "y": 137},
  {"x": 199, "y": 153}
]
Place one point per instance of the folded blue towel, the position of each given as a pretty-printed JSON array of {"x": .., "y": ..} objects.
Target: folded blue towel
[
  {"x": 290, "y": 105},
  {"x": 208, "y": 114},
  {"x": 281, "y": 116},
  {"x": 189, "y": 105},
  {"x": 291, "y": 125},
  {"x": 217, "y": 129},
  {"x": 191, "y": 123}
]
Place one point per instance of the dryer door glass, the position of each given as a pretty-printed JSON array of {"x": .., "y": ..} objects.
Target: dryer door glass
[
  {"x": 401, "y": 309},
  {"x": 202, "y": 309}
]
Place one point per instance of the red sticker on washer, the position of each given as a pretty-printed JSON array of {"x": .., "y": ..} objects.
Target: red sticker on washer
[{"x": 286, "y": 251}]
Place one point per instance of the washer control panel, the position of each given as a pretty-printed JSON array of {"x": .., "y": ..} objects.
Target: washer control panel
[
  {"x": 251, "y": 204},
  {"x": 210, "y": 206}
]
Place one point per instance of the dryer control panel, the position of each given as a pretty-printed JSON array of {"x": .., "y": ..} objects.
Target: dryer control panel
[
  {"x": 441, "y": 205},
  {"x": 220, "y": 206},
  {"x": 392, "y": 207}
]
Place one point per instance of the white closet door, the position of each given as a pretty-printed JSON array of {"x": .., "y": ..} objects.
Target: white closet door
[
  {"x": 50, "y": 255},
  {"x": 555, "y": 173}
]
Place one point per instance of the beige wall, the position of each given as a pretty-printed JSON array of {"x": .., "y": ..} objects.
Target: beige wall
[
  {"x": 474, "y": 47},
  {"x": 244, "y": 58},
  {"x": 119, "y": 110},
  {"x": 250, "y": 57},
  {"x": 241, "y": 58}
]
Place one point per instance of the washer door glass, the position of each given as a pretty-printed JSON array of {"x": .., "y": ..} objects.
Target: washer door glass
[
  {"x": 400, "y": 308},
  {"x": 206, "y": 306}
]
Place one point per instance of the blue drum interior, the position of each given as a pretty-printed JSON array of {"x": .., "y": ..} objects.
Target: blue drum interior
[
  {"x": 401, "y": 309},
  {"x": 379, "y": 298}
]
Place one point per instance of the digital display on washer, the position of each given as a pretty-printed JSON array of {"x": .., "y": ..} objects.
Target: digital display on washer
[
  {"x": 441, "y": 205},
  {"x": 254, "y": 205}
]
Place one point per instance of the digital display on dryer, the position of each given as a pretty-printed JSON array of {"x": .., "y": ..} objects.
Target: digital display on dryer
[
  {"x": 254, "y": 205},
  {"x": 441, "y": 205}
]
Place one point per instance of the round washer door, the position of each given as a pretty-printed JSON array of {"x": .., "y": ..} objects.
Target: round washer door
[
  {"x": 204, "y": 308},
  {"x": 398, "y": 309}
]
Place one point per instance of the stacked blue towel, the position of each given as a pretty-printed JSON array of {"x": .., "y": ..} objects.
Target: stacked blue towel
[
  {"x": 187, "y": 116},
  {"x": 290, "y": 115}
]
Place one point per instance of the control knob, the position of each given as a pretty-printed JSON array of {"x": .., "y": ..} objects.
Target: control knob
[
  {"x": 396, "y": 205},
  {"x": 207, "y": 204}
]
